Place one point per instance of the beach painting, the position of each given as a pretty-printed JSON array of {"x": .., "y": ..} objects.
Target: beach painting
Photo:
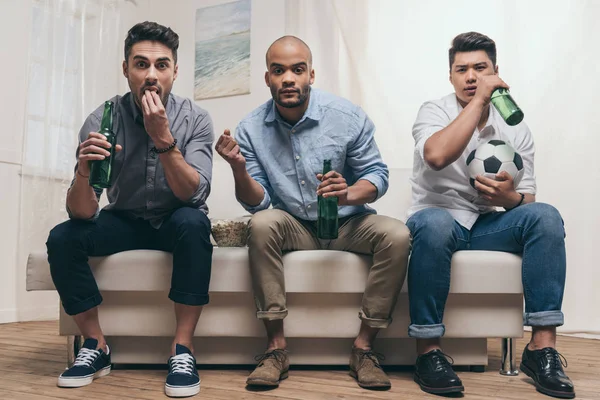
[{"x": 222, "y": 50}]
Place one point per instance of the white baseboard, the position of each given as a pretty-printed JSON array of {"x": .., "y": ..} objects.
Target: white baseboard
[
  {"x": 8, "y": 315},
  {"x": 46, "y": 313}
]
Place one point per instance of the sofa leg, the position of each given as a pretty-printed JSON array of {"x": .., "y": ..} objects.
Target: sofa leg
[
  {"x": 477, "y": 368},
  {"x": 509, "y": 360},
  {"x": 74, "y": 343}
]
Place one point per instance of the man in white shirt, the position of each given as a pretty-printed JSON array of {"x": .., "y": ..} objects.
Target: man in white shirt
[{"x": 448, "y": 215}]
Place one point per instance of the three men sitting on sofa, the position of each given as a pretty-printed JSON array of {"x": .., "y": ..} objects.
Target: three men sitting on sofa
[{"x": 162, "y": 179}]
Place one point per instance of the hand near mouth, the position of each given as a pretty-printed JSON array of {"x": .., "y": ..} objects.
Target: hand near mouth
[{"x": 155, "y": 119}]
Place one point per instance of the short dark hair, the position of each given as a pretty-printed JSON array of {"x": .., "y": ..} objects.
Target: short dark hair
[
  {"x": 151, "y": 31},
  {"x": 472, "y": 41}
]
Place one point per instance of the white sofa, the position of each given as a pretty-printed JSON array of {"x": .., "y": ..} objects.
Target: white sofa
[{"x": 324, "y": 294}]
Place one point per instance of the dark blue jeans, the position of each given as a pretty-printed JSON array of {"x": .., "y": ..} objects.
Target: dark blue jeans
[
  {"x": 185, "y": 233},
  {"x": 534, "y": 230}
]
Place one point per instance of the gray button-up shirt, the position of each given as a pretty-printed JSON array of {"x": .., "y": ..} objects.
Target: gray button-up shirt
[
  {"x": 139, "y": 185},
  {"x": 285, "y": 159}
]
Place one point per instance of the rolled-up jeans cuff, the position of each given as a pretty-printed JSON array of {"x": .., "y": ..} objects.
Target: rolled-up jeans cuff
[
  {"x": 84, "y": 305},
  {"x": 433, "y": 331},
  {"x": 544, "y": 318},
  {"x": 271, "y": 315},
  {"x": 189, "y": 299},
  {"x": 377, "y": 323}
]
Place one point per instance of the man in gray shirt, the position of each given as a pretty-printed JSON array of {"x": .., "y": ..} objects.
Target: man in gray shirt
[{"x": 160, "y": 181}]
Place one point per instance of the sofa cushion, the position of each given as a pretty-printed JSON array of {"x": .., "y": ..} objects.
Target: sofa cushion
[{"x": 314, "y": 271}]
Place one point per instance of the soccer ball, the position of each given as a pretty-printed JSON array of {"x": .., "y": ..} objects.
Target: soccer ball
[{"x": 493, "y": 157}]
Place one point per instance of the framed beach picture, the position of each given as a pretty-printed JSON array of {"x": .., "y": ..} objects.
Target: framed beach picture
[{"x": 222, "y": 50}]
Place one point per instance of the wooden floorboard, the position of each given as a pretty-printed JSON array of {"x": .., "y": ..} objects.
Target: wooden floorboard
[{"x": 32, "y": 355}]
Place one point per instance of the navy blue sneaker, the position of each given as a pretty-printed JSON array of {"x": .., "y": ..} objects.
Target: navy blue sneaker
[
  {"x": 183, "y": 379},
  {"x": 89, "y": 365}
]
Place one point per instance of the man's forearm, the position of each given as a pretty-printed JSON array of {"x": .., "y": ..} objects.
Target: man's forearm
[
  {"x": 362, "y": 192},
  {"x": 81, "y": 199},
  {"x": 446, "y": 146},
  {"x": 181, "y": 177},
  {"x": 246, "y": 188}
]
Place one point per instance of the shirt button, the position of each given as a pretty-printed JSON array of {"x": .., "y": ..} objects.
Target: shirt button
[
  {"x": 149, "y": 204},
  {"x": 297, "y": 157},
  {"x": 293, "y": 131},
  {"x": 150, "y": 180},
  {"x": 303, "y": 182},
  {"x": 308, "y": 206}
]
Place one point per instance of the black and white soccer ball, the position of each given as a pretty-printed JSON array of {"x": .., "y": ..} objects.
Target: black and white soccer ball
[{"x": 493, "y": 157}]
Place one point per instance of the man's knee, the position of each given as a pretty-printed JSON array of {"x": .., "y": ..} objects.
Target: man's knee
[
  {"x": 263, "y": 225},
  {"x": 65, "y": 235},
  {"x": 432, "y": 222},
  {"x": 192, "y": 223},
  {"x": 394, "y": 232},
  {"x": 547, "y": 219}
]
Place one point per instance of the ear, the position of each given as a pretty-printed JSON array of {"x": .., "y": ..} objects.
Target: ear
[
  {"x": 267, "y": 79},
  {"x": 125, "y": 70},
  {"x": 496, "y": 70},
  {"x": 176, "y": 72},
  {"x": 450, "y": 78},
  {"x": 312, "y": 77}
]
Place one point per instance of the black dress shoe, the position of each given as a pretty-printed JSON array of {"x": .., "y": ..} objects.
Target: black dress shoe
[
  {"x": 434, "y": 374},
  {"x": 545, "y": 368}
]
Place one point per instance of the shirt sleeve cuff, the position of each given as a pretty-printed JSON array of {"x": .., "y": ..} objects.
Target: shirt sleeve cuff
[
  {"x": 263, "y": 205},
  {"x": 93, "y": 218},
  {"x": 378, "y": 182},
  {"x": 200, "y": 195}
]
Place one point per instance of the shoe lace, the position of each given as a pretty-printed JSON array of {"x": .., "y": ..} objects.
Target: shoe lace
[
  {"x": 442, "y": 360},
  {"x": 277, "y": 354},
  {"x": 182, "y": 364},
  {"x": 555, "y": 359},
  {"x": 86, "y": 357},
  {"x": 373, "y": 356}
]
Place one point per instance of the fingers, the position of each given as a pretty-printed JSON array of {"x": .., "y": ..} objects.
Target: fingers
[
  {"x": 232, "y": 143},
  {"x": 331, "y": 184},
  {"x": 486, "y": 181},
  {"x": 157, "y": 102},
  {"x": 118, "y": 148},
  {"x": 484, "y": 189},
  {"x": 339, "y": 193},
  {"x": 503, "y": 176},
  {"x": 332, "y": 188},
  {"x": 227, "y": 132},
  {"x": 225, "y": 144},
  {"x": 145, "y": 105}
]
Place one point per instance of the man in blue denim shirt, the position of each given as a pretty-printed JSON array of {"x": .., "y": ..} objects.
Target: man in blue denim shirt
[
  {"x": 448, "y": 215},
  {"x": 276, "y": 158}
]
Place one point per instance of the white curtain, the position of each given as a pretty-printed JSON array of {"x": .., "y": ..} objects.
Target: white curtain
[
  {"x": 76, "y": 50},
  {"x": 390, "y": 56}
]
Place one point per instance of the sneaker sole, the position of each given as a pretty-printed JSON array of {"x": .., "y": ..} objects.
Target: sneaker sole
[
  {"x": 542, "y": 389},
  {"x": 260, "y": 382},
  {"x": 371, "y": 386},
  {"x": 67, "y": 382},
  {"x": 182, "y": 391},
  {"x": 446, "y": 390}
]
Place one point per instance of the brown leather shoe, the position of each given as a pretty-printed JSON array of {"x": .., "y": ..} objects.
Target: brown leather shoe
[
  {"x": 272, "y": 367},
  {"x": 365, "y": 368}
]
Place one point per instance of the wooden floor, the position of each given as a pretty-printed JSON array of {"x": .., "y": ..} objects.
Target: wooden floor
[{"x": 32, "y": 355}]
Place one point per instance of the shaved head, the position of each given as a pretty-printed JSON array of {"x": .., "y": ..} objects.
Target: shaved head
[{"x": 292, "y": 41}]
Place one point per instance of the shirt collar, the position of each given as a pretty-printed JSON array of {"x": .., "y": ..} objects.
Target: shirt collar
[{"x": 312, "y": 112}]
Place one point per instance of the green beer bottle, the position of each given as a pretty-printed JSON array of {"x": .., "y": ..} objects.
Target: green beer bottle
[
  {"x": 327, "y": 213},
  {"x": 100, "y": 169},
  {"x": 506, "y": 106}
]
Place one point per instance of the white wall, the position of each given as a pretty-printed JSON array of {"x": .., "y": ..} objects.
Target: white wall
[{"x": 14, "y": 31}]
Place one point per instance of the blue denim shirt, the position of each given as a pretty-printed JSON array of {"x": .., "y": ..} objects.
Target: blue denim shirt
[{"x": 286, "y": 159}]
